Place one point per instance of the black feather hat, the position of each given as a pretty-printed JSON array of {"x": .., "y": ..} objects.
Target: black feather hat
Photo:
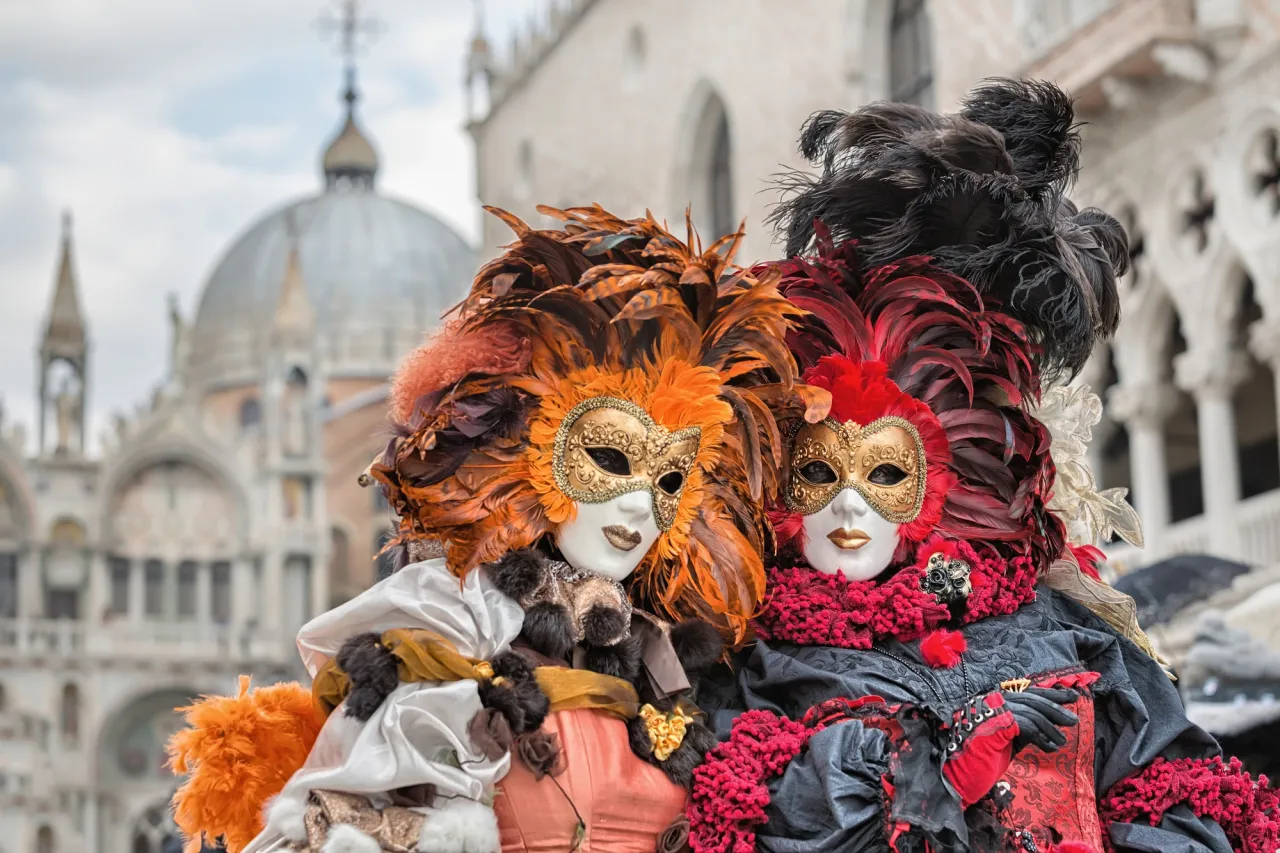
[{"x": 982, "y": 191}]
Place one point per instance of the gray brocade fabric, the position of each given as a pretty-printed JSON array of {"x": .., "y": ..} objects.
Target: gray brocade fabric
[{"x": 829, "y": 798}]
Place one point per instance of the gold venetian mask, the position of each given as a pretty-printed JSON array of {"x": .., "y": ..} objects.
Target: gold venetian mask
[
  {"x": 607, "y": 447},
  {"x": 883, "y": 461}
]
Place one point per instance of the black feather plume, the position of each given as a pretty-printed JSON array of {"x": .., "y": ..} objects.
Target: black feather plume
[{"x": 984, "y": 193}]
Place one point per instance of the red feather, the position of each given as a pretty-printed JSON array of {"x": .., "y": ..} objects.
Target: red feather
[{"x": 942, "y": 649}]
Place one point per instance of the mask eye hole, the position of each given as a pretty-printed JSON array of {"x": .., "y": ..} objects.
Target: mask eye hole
[
  {"x": 671, "y": 482},
  {"x": 887, "y": 475},
  {"x": 610, "y": 460},
  {"x": 818, "y": 473}
]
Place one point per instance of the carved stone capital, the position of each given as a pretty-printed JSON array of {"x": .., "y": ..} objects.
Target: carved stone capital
[
  {"x": 1264, "y": 342},
  {"x": 1147, "y": 405},
  {"x": 1211, "y": 373}
]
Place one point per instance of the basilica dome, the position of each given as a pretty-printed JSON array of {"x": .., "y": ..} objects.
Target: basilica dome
[{"x": 379, "y": 272}]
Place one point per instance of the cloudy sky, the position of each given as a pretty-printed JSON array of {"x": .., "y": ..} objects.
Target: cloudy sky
[{"x": 167, "y": 126}]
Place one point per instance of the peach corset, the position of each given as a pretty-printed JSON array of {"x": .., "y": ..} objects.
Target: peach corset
[{"x": 624, "y": 801}]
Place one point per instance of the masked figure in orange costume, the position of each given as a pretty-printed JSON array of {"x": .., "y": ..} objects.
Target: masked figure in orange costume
[{"x": 587, "y": 445}]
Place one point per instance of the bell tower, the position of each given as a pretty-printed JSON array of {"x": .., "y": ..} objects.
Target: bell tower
[{"x": 64, "y": 351}]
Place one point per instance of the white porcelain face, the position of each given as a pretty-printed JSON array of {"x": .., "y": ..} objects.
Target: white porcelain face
[
  {"x": 610, "y": 538},
  {"x": 848, "y": 537}
]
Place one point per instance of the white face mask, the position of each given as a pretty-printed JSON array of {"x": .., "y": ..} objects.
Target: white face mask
[
  {"x": 610, "y": 538},
  {"x": 848, "y": 537}
]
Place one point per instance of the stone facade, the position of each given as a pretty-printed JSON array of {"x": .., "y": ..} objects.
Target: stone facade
[
  {"x": 217, "y": 520},
  {"x": 620, "y": 103}
]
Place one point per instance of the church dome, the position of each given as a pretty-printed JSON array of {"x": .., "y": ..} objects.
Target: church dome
[{"x": 378, "y": 272}]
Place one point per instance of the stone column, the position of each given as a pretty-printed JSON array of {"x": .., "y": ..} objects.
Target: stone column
[
  {"x": 1212, "y": 375},
  {"x": 204, "y": 593},
  {"x": 137, "y": 591},
  {"x": 1264, "y": 343},
  {"x": 1144, "y": 409}
]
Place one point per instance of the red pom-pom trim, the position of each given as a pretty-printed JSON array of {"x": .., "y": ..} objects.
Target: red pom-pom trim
[
  {"x": 942, "y": 649},
  {"x": 1247, "y": 810},
  {"x": 809, "y": 608}
]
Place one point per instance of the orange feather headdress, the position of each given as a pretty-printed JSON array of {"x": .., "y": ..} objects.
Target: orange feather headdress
[{"x": 603, "y": 307}]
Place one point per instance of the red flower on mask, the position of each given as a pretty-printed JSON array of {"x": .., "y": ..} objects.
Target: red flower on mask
[{"x": 862, "y": 392}]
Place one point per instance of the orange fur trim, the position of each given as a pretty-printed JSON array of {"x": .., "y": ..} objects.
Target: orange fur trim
[{"x": 238, "y": 752}]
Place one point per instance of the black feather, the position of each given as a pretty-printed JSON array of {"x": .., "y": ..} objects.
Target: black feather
[{"x": 984, "y": 193}]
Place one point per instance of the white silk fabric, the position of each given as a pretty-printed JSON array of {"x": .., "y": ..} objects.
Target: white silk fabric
[{"x": 419, "y": 734}]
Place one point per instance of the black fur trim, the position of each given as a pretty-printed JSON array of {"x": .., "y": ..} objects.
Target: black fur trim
[
  {"x": 371, "y": 669},
  {"x": 621, "y": 660},
  {"x": 549, "y": 630},
  {"x": 680, "y": 764},
  {"x": 519, "y": 573},
  {"x": 512, "y": 666},
  {"x": 638, "y": 737},
  {"x": 603, "y": 625},
  {"x": 518, "y": 698},
  {"x": 698, "y": 645}
]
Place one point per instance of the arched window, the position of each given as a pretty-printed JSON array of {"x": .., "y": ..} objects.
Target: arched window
[
  {"x": 1116, "y": 467},
  {"x": 910, "y": 54},
  {"x": 187, "y": 580},
  {"x": 70, "y": 714},
  {"x": 44, "y": 840},
  {"x": 1254, "y": 405},
  {"x": 250, "y": 413},
  {"x": 298, "y": 377},
  {"x": 1182, "y": 444},
  {"x": 711, "y": 172},
  {"x": 154, "y": 592},
  {"x": 524, "y": 169}
]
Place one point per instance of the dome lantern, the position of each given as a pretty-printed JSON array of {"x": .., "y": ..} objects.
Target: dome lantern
[{"x": 350, "y": 160}]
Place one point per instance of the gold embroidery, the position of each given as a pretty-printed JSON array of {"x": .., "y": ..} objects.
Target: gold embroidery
[
  {"x": 653, "y": 452},
  {"x": 853, "y": 452},
  {"x": 1016, "y": 685}
]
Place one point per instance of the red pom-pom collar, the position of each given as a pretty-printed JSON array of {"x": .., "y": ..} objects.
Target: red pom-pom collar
[{"x": 809, "y": 608}]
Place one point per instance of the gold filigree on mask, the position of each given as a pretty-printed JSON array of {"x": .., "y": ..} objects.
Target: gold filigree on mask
[
  {"x": 883, "y": 461},
  {"x": 607, "y": 447}
]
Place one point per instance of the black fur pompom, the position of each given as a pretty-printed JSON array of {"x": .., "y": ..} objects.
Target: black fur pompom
[
  {"x": 602, "y": 625},
  {"x": 621, "y": 660},
  {"x": 519, "y": 573},
  {"x": 371, "y": 669},
  {"x": 549, "y": 630},
  {"x": 698, "y": 645},
  {"x": 518, "y": 696}
]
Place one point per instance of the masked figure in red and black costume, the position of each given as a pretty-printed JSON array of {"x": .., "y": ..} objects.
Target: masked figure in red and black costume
[{"x": 921, "y": 682}]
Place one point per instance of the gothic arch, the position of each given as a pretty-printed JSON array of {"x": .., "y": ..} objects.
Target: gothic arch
[
  {"x": 122, "y": 729},
  {"x": 142, "y": 456},
  {"x": 1241, "y": 211},
  {"x": 704, "y": 175}
]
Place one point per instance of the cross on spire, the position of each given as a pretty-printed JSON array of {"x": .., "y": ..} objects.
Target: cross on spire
[
  {"x": 1197, "y": 217},
  {"x": 1266, "y": 179},
  {"x": 350, "y": 28}
]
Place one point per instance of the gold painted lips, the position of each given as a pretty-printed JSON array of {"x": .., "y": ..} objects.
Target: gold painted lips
[
  {"x": 848, "y": 540},
  {"x": 621, "y": 537}
]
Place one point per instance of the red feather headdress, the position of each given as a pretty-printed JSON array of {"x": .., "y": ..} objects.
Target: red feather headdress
[{"x": 910, "y": 338}]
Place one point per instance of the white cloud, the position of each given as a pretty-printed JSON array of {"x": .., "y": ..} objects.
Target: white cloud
[{"x": 169, "y": 125}]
